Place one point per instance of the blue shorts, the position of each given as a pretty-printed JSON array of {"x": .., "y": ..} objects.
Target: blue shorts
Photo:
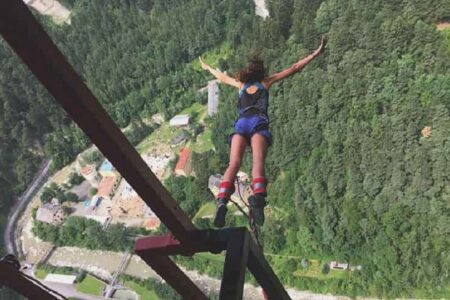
[{"x": 248, "y": 126}]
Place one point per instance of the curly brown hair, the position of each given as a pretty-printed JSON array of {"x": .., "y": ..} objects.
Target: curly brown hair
[{"x": 254, "y": 71}]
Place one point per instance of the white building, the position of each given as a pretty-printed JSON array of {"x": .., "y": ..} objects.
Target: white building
[
  {"x": 59, "y": 278},
  {"x": 90, "y": 174},
  {"x": 179, "y": 120},
  {"x": 213, "y": 97},
  {"x": 338, "y": 266}
]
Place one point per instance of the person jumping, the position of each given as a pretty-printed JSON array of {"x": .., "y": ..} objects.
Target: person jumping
[{"x": 251, "y": 128}]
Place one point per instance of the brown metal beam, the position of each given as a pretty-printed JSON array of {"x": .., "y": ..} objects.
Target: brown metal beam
[
  {"x": 176, "y": 278},
  {"x": 238, "y": 243},
  {"x": 263, "y": 273},
  {"x": 233, "y": 278},
  {"x": 201, "y": 241},
  {"x": 11, "y": 277},
  {"x": 30, "y": 41}
]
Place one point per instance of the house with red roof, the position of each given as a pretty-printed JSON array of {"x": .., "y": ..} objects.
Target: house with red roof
[{"x": 184, "y": 164}]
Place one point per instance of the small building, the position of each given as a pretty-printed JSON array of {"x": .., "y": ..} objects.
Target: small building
[
  {"x": 128, "y": 192},
  {"x": 179, "y": 139},
  {"x": 152, "y": 223},
  {"x": 107, "y": 187},
  {"x": 59, "y": 278},
  {"x": 95, "y": 201},
  {"x": 338, "y": 266},
  {"x": 107, "y": 169},
  {"x": 90, "y": 174},
  {"x": 213, "y": 97},
  {"x": 179, "y": 120},
  {"x": 50, "y": 213},
  {"x": 184, "y": 164}
]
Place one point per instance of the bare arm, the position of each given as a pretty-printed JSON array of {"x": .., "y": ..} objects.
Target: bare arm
[
  {"x": 295, "y": 67},
  {"x": 222, "y": 77}
]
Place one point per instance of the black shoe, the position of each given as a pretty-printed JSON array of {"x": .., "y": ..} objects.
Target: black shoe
[
  {"x": 221, "y": 212},
  {"x": 257, "y": 204}
]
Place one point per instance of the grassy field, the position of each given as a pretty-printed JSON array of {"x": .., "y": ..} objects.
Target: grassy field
[
  {"x": 90, "y": 285},
  {"x": 213, "y": 257},
  {"x": 144, "y": 294},
  {"x": 207, "y": 210},
  {"x": 212, "y": 57},
  {"x": 161, "y": 137},
  {"x": 436, "y": 293},
  {"x": 203, "y": 142},
  {"x": 198, "y": 108},
  {"x": 315, "y": 271},
  {"x": 40, "y": 274}
]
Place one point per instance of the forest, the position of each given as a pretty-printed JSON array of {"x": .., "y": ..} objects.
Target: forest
[{"x": 352, "y": 176}]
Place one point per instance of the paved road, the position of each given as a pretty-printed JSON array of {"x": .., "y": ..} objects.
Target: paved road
[{"x": 20, "y": 205}]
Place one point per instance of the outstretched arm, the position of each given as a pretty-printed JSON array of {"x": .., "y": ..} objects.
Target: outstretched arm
[
  {"x": 295, "y": 67},
  {"x": 222, "y": 77}
]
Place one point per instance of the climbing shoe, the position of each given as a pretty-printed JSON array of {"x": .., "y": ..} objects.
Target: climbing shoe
[
  {"x": 257, "y": 204},
  {"x": 221, "y": 212}
]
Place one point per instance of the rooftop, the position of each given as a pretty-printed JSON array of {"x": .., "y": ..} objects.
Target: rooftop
[
  {"x": 106, "y": 186},
  {"x": 86, "y": 170},
  {"x": 152, "y": 223},
  {"x": 183, "y": 136},
  {"x": 46, "y": 212},
  {"x": 59, "y": 278},
  {"x": 179, "y": 120},
  {"x": 185, "y": 153},
  {"x": 106, "y": 166}
]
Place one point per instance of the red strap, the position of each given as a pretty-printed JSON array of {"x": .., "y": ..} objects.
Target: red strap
[
  {"x": 259, "y": 185},
  {"x": 226, "y": 189}
]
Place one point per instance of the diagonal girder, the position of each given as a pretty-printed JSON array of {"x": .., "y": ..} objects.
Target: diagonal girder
[
  {"x": 30, "y": 41},
  {"x": 242, "y": 251},
  {"x": 26, "y": 286}
]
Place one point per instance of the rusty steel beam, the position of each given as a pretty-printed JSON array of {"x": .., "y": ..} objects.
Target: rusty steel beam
[
  {"x": 263, "y": 273},
  {"x": 32, "y": 44},
  {"x": 11, "y": 277},
  {"x": 242, "y": 251},
  {"x": 232, "y": 287},
  {"x": 208, "y": 240}
]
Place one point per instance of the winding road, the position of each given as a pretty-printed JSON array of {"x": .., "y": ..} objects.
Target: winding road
[{"x": 20, "y": 204}]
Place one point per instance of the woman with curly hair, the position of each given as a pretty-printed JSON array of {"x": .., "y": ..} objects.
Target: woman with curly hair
[{"x": 251, "y": 128}]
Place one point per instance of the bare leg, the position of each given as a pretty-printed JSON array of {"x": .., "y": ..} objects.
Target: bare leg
[
  {"x": 238, "y": 144},
  {"x": 259, "y": 149},
  {"x": 257, "y": 200}
]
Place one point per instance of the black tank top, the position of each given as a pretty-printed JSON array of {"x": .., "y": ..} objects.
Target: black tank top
[{"x": 253, "y": 104}]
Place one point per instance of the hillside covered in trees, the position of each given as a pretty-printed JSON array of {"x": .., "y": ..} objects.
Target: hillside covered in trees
[{"x": 352, "y": 176}]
